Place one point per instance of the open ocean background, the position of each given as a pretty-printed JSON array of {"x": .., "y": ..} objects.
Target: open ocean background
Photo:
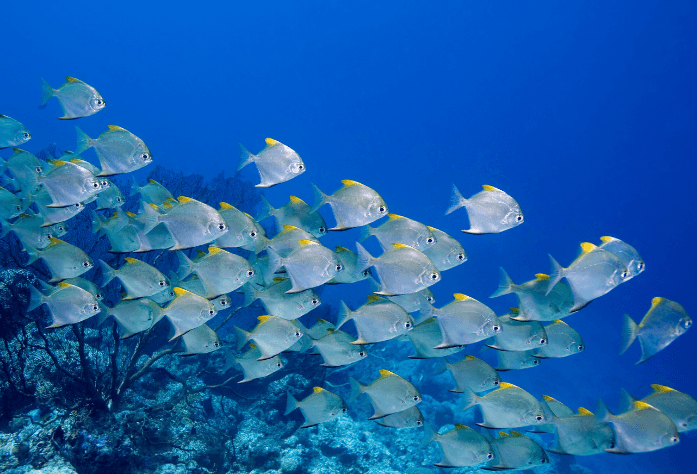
[{"x": 584, "y": 112}]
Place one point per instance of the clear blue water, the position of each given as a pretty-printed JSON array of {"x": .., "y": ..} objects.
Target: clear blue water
[{"x": 584, "y": 112}]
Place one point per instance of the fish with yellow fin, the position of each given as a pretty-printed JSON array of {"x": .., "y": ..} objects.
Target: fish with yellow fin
[
  {"x": 490, "y": 211},
  {"x": 276, "y": 163},
  {"x": 77, "y": 99}
]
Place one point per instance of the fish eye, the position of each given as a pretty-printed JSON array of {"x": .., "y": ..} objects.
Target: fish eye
[
  {"x": 38, "y": 169},
  {"x": 429, "y": 240},
  {"x": 683, "y": 424},
  {"x": 162, "y": 283},
  {"x": 211, "y": 312},
  {"x": 95, "y": 307},
  {"x": 640, "y": 266},
  {"x": 612, "y": 446},
  {"x": 171, "y": 293},
  {"x": 223, "y": 302},
  {"x": 339, "y": 267},
  {"x": 100, "y": 101},
  {"x": 95, "y": 185},
  {"x": 496, "y": 382},
  {"x": 118, "y": 199},
  {"x": 688, "y": 324},
  {"x": 430, "y": 299},
  {"x": 539, "y": 418},
  {"x": 365, "y": 273},
  {"x": 145, "y": 156},
  {"x": 407, "y": 325},
  {"x": 19, "y": 208},
  {"x": 78, "y": 205},
  {"x": 216, "y": 344},
  {"x": 99, "y": 296},
  {"x": 580, "y": 347},
  {"x": 250, "y": 273},
  {"x": 496, "y": 328},
  {"x": 315, "y": 301},
  {"x": 625, "y": 274},
  {"x": 322, "y": 230},
  {"x": 85, "y": 264},
  {"x": 26, "y": 135},
  {"x": 278, "y": 364},
  {"x": 543, "y": 460},
  {"x": 221, "y": 227},
  {"x": 519, "y": 218},
  {"x": 416, "y": 398},
  {"x": 434, "y": 276},
  {"x": 344, "y": 410},
  {"x": 301, "y": 167},
  {"x": 419, "y": 422},
  {"x": 461, "y": 257},
  {"x": 364, "y": 353},
  {"x": 297, "y": 334},
  {"x": 674, "y": 439},
  {"x": 382, "y": 209},
  {"x": 536, "y": 362},
  {"x": 253, "y": 234},
  {"x": 490, "y": 456},
  {"x": 543, "y": 341}
]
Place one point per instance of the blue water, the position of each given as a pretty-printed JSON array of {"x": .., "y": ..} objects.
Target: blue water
[{"x": 585, "y": 112}]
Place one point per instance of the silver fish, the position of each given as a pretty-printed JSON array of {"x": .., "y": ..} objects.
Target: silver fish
[
  {"x": 138, "y": 278},
  {"x": 287, "y": 241},
  {"x": 516, "y": 360},
  {"x": 55, "y": 215},
  {"x": 272, "y": 336},
  {"x": 462, "y": 321},
  {"x": 319, "y": 407},
  {"x": 23, "y": 165},
  {"x": 296, "y": 213},
  {"x": 462, "y": 446},
  {"x": 118, "y": 150},
  {"x": 401, "y": 230},
  {"x": 516, "y": 451},
  {"x": 337, "y": 348},
  {"x": 627, "y": 254},
  {"x": 29, "y": 230},
  {"x": 320, "y": 329},
  {"x": 259, "y": 240},
  {"x": 10, "y": 205},
  {"x": 252, "y": 367},
  {"x": 64, "y": 260},
  {"x": 473, "y": 374},
  {"x": 377, "y": 320},
  {"x": 308, "y": 267},
  {"x": 152, "y": 192},
  {"x": 424, "y": 337},
  {"x": 68, "y": 304},
  {"x": 562, "y": 341},
  {"x": 77, "y": 99},
  {"x": 665, "y": 321},
  {"x": 388, "y": 394},
  {"x": 594, "y": 273},
  {"x": 200, "y": 340},
  {"x": 277, "y": 163},
  {"x": 110, "y": 198},
  {"x": 241, "y": 227},
  {"x": 87, "y": 286},
  {"x": 353, "y": 205},
  {"x": 518, "y": 335},
  {"x": 280, "y": 304},
  {"x": 12, "y": 133},
  {"x": 447, "y": 252},
  {"x": 67, "y": 184},
  {"x": 490, "y": 211},
  {"x": 220, "y": 271},
  {"x": 135, "y": 316},
  {"x": 187, "y": 311},
  {"x": 409, "y": 418},
  {"x": 401, "y": 269},
  {"x": 411, "y": 302},
  {"x": 349, "y": 275},
  {"x": 679, "y": 407},
  {"x": 534, "y": 302},
  {"x": 508, "y": 406}
]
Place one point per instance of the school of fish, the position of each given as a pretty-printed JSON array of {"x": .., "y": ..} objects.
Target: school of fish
[{"x": 283, "y": 272}]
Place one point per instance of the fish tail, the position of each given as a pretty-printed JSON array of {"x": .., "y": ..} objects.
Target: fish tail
[
  {"x": 629, "y": 331},
  {"x": 96, "y": 222},
  {"x": 320, "y": 198},
  {"x": 5, "y": 227},
  {"x": 626, "y": 401},
  {"x": 457, "y": 200},
  {"x": 602, "y": 412},
  {"x": 250, "y": 294},
  {"x": 135, "y": 189},
  {"x": 149, "y": 218},
  {"x": 441, "y": 365},
  {"x": 36, "y": 299},
  {"x": 291, "y": 403},
  {"x": 344, "y": 314},
  {"x": 83, "y": 141},
  {"x": 32, "y": 252},
  {"x": 469, "y": 399},
  {"x": 366, "y": 231},
  {"x": 365, "y": 260},
  {"x": 356, "y": 389},
  {"x": 267, "y": 209},
  {"x": 430, "y": 435},
  {"x": 46, "y": 93},
  {"x": 246, "y": 157},
  {"x": 242, "y": 337},
  {"x": 506, "y": 285},
  {"x": 186, "y": 266},
  {"x": 108, "y": 273},
  {"x": 555, "y": 275},
  {"x": 275, "y": 261}
]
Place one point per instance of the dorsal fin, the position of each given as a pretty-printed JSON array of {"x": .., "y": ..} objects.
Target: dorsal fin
[
  {"x": 279, "y": 279},
  {"x": 305, "y": 242},
  {"x": 271, "y": 142},
  {"x": 200, "y": 253},
  {"x": 430, "y": 320},
  {"x": 181, "y": 292},
  {"x": 584, "y": 412},
  {"x": 130, "y": 260},
  {"x": 514, "y": 310},
  {"x": 655, "y": 301},
  {"x": 16, "y": 150},
  {"x": 470, "y": 357},
  {"x": 114, "y": 128},
  {"x": 587, "y": 247},
  {"x": 77, "y": 160},
  {"x": 296, "y": 200},
  {"x": 460, "y": 426},
  {"x": 153, "y": 206},
  {"x": 607, "y": 238},
  {"x": 72, "y": 79},
  {"x": 542, "y": 276},
  {"x": 129, "y": 214},
  {"x": 394, "y": 216},
  {"x": 152, "y": 181},
  {"x": 342, "y": 249},
  {"x": 288, "y": 228},
  {"x": 398, "y": 245},
  {"x": 639, "y": 405},
  {"x": 212, "y": 250},
  {"x": 252, "y": 345},
  {"x": 373, "y": 298},
  {"x": 503, "y": 434},
  {"x": 387, "y": 373},
  {"x": 184, "y": 199},
  {"x": 264, "y": 318},
  {"x": 547, "y": 398},
  {"x": 320, "y": 320},
  {"x": 559, "y": 321},
  {"x": 662, "y": 388},
  {"x": 491, "y": 188},
  {"x": 348, "y": 182},
  {"x": 58, "y": 163},
  {"x": 432, "y": 229},
  {"x": 54, "y": 241},
  {"x": 331, "y": 330},
  {"x": 461, "y": 297},
  {"x": 63, "y": 284},
  {"x": 516, "y": 434},
  {"x": 317, "y": 389},
  {"x": 225, "y": 206},
  {"x": 248, "y": 216},
  {"x": 504, "y": 385},
  {"x": 167, "y": 205}
]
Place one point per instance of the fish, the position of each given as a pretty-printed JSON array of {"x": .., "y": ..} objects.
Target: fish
[
  {"x": 388, "y": 394},
  {"x": 303, "y": 344},
  {"x": 473, "y": 374},
  {"x": 461, "y": 447},
  {"x": 402, "y": 230},
  {"x": 562, "y": 341},
  {"x": 319, "y": 407},
  {"x": 135, "y": 316},
  {"x": 187, "y": 311},
  {"x": 163, "y": 296},
  {"x": 665, "y": 321},
  {"x": 276, "y": 163},
  {"x": 55, "y": 215},
  {"x": 594, "y": 273},
  {"x": 278, "y": 302},
  {"x": 252, "y": 367},
  {"x": 64, "y": 260},
  {"x": 409, "y": 418},
  {"x": 320, "y": 329},
  {"x": 10, "y": 205},
  {"x": 12, "y": 133},
  {"x": 337, "y": 348},
  {"x": 242, "y": 230},
  {"x": 110, "y": 198},
  {"x": 490, "y": 211},
  {"x": 349, "y": 275},
  {"x": 353, "y": 205},
  {"x": 424, "y": 337},
  {"x": 23, "y": 165},
  {"x": 401, "y": 269},
  {"x": 288, "y": 240},
  {"x": 86, "y": 285},
  {"x": 67, "y": 183},
  {"x": 118, "y": 150},
  {"x": 151, "y": 192},
  {"x": 516, "y": 360},
  {"x": 446, "y": 252},
  {"x": 411, "y": 302},
  {"x": 138, "y": 278},
  {"x": 200, "y": 340},
  {"x": 627, "y": 254},
  {"x": 296, "y": 213},
  {"x": 191, "y": 223},
  {"x": 516, "y": 451},
  {"x": 77, "y": 99},
  {"x": 518, "y": 335},
  {"x": 272, "y": 335},
  {"x": 309, "y": 266},
  {"x": 680, "y": 407},
  {"x": 259, "y": 240},
  {"x": 462, "y": 321},
  {"x": 220, "y": 271},
  {"x": 640, "y": 430},
  {"x": 377, "y": 320},
  {"x": 509, "y": 406},
  {"x": 534, "y": 303},
  {"x": 122, "y": 236},
  {"x": 68, "y": 304}
]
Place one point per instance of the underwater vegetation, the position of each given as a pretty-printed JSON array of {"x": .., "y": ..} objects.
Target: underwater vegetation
[{"x": 155, "y": 327}]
